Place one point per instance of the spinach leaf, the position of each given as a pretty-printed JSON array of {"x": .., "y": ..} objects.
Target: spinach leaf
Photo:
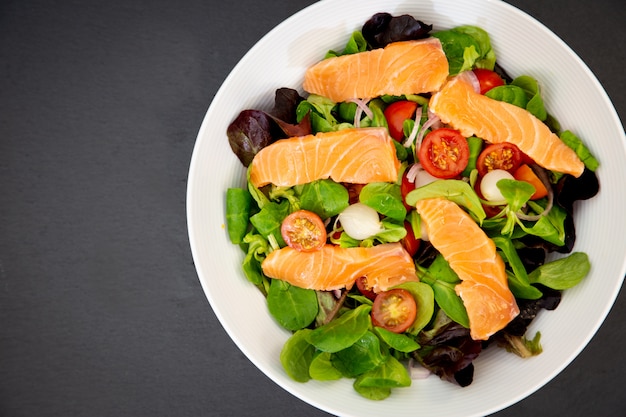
[
  {"x": 293, "y": 307},
  {"x": 321, "y": 368},
  {"x": 466, "y": 47},
  {"x": 457, "y": 191},
  {"x": 296, "y": 356},
  {"x": 391, "y": 374},
  {"x": 268, "y": 220},
  {"x": 399, "y": 342},
  {"x": 563, "y": 273},
  {"x": 518, "y": 280},
  {"x": 511, "y": 94},
  {"x": 356, "y": 44},
  {"x": 324, "y": 197},
  {"x": 531, "y": 88},
  {"x": 385, "y": 198},
  {"x": 443, "y": 289},
  {"x": 454, "y": 46},
  {"x": 372, "y": 393},
  {"x": 320, "y": 110},
  {"x": 238, "y": 202},
  {"x": 550, "y": 228},
  {"x": 343, "y": 331},
  {"x": 362, "y": 356},
  {"x": 486, "y": 56}
]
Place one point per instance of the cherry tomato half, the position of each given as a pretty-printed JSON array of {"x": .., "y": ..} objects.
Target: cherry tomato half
[
  {"x": 303, "y": 230},
  {"x": 365, "y": 289},
  {"x": 394, "y": 310},
  {"x": 503, "y": 155},
  {"x": 487, "y": 79},
  {"x": 410, "y": 242},
  {"x": 444, "y": 153},
  {"x": 396, "y": 113}
]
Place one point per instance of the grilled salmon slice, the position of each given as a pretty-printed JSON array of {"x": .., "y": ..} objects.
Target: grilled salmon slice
[
  {"x": 334, "y": 267},
  {"x": 472, "y": 255},
  {"x": 357, "y": 156},
  {"x": 472, "y": 113},
  {"x": 407, "y": 67}
]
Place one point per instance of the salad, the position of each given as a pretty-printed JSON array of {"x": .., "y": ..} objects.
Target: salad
[{"x": 383, "y": 337}]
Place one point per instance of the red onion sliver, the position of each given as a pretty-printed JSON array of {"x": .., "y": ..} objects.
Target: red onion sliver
[
  {"x": 470, "y": 77},
  {"x": 361, "y": 108},
  {"x": 417, "y": 371},
  {"x": 418, "y": 116},
  {"x": 432, "y": 121},
  {"x": 411, "y": 174}
]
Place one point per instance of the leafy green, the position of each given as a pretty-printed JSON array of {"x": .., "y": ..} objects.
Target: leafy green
[
  {"x": 257, "y": 248},
  {"x": 342, "y": 332},
  {"x": 269, "y": 219},
  {"x": 238, "y": 202},
  {"x": 293, "y": 307},
  {"x": 563, "y": 273},
  {"x": 425, "y": 301},
  {"x": 581, "y": 150},
  {"x": 457, "y": 191},
  {"x": 356, "y": 43},
  {"x": 518, "y": 280},
  {"x": 362, "y": 356},
  {"x": 391, "y": 374},
  {"x": 321, "y": 368},
  {"x": 399, "y": 342},
  {"x": 531, "y": 88},
  {"x": 443, "y": 280},
  {"x": 467, "y": 47},
  {"x": 475, "y": 147},
  {"x": 296, "y": 356},
  {"x": 324, "y": 197},
  {"x": 511, "y": 94},
  {"x": 385, "y": 198}
]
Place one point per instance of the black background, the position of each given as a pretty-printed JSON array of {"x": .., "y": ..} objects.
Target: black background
[{"x": 101, "y": 311}]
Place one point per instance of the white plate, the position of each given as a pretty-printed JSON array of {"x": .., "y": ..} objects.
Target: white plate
[{"x": 523, "y": 46}]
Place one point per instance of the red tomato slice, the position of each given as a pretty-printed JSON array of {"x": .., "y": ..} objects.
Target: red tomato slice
[
  {"x": 303, "y": 230},
  {"x": 503, "y": 155},
  {"x": 406, "y": 187},
  {"x": 487, "y": 79},
  {"x": 396, "y": 113},
  {"x": 394, "y": 310},
  {"x": 444, "y": 153},
  {"x": 410, "y": 242},
  {"x": 365, "y": 289}
]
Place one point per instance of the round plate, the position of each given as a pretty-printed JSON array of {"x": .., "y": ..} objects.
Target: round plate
[{"x": 523, "y": 46}]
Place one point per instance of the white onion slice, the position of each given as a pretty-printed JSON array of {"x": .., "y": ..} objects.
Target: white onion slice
[
  {"x": 360, "y": 221},
  {"x": 488, "y": 185}
]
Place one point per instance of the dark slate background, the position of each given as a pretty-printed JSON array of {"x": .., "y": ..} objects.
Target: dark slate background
[{"x": 101, "y": 311}]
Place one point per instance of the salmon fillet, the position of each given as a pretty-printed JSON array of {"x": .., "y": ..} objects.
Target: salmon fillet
[
  {"x": 472, "y": 255},
  {"x": 358, "y": 156},
  {"x": 472, "y": 113},
  {"x": 408, "y": 67},
  {"x": 334, "y": 267}
]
